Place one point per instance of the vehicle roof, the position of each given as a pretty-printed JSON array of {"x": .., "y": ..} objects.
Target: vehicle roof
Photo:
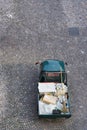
[{"x": 52, "y": 66}]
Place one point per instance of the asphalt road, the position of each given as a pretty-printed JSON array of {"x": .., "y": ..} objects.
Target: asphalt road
[{"x": 35, "y": 30}]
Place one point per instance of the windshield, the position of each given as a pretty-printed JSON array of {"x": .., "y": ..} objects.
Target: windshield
[
  {"x": 60, "y": 77},
  {"x": 56, "y": 77}
]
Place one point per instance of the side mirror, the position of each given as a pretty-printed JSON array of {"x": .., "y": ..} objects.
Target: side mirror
[
  {"x": 66, "y": 63},
  {"x": 38, "y": 62}
]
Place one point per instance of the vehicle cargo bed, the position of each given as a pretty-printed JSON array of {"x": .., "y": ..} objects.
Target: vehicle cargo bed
[{"x": 53, "y": 100}]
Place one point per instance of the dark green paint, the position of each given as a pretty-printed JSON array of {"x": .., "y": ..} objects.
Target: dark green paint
[{"x": 52, "y": 66}]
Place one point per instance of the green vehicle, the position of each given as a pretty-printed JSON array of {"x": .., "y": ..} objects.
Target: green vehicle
[{"x": 53, "y": 95}]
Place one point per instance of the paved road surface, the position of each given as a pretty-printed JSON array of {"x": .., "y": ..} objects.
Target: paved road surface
[{"x": 32, "y": 30}]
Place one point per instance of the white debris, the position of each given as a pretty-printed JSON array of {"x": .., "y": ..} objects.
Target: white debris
[
  {"x": 82, "y": 52},
  {"x": 46, "y": 87},
  {"x": 46, "y": 108},
  {"x": 68, "y": 71},
  {"x": 10, "y": 16},
  {"x": 68, "y": 41},
  {"x": 80, "y": 106}
]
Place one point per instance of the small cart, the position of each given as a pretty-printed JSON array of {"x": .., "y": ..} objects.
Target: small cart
[{"x": 53, "y": 95}]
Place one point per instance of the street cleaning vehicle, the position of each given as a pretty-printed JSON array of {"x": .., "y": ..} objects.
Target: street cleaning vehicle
[{"x": 53, "y": 95}]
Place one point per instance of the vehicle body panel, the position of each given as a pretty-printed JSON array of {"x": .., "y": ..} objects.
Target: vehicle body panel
[{"x": 52, "y": 66}]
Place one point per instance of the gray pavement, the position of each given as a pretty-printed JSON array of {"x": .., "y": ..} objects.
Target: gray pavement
[{"x": 35, "y": 30}]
